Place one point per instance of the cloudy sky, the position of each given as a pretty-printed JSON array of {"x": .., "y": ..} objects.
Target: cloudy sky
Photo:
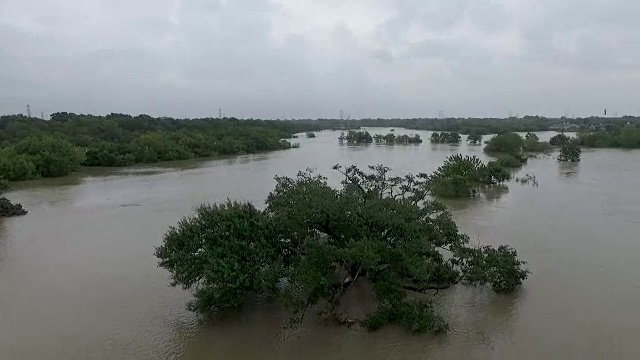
[{"x": 311, "y": 58}]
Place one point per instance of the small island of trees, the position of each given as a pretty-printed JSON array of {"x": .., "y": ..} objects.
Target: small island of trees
[
  {"x": 392, "y": 138},
  {"x": 474, "y": 139},
  {"x": 354, "y": 137},
  {"x": 446, "y": 138}
]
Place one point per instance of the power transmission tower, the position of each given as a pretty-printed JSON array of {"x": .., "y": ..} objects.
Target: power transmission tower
[
  {"x": 341, "y": 114},
  {"x": 219, "y": 113},
  {"x": 441, "y": 114},
  {"x": 28, "y": 110}
]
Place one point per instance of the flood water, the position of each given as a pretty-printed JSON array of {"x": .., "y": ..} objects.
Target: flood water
[{"x": 78, "y": 279}]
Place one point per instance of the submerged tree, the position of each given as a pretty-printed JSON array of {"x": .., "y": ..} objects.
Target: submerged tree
[
  {"x": 356, "y": 137},
  {"x": 391, "y": 139},
  {"x": 474, "y": 139},
  {"x": 509, "y": 143},
  {"x": 313, "y": 241},
  {"x": 445, "y": 138},
  {"x": 569, "y": 153},
  {"x": 461, "y": 176},
  {"x": 7, "y": 208},
  {"x": 559, "y": 140}
]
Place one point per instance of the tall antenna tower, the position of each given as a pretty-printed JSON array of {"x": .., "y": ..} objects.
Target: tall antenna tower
[
  {"x": 219, "y": 113},
  {"x": 28, "y": 110}
]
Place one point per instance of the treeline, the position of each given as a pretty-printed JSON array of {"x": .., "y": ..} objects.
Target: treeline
[
  {"x": 479, "y": 126},
  {"x": 31, "y": 147},
  {"x": 392, "y": 138},
  {"x": 445, "y": 138},
  {"x": 354, "y": 137},
  {"x": 627, "y": 136}
]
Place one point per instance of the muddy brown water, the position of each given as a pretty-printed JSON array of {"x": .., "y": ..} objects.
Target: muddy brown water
[{"x": 78, "y": 279}]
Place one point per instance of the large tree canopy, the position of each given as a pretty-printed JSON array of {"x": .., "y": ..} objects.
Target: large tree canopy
[{"x": 313, "y": 241}]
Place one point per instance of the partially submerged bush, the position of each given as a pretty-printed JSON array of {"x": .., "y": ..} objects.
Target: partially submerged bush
[
  {"x": 7, "y": 208},
  {"x": 569, "y": 153},
  {"x": 461, "y": 176},
  {"x": 510, "y": 161}
]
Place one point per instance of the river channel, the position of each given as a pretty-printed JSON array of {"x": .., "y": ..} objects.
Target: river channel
[{"x": 78, "y": 279}]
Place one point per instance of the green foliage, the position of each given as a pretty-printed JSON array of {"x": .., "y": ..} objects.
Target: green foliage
[
  {"x": 30, "y": 146},
  {"x": 313, "y": 241},
  {"x": 460, "y": 176},
  {"x": 392, "y": 139},
  {"x": 532, "y": 144},
  {"x": 417, "y": 316},
  {"x": 446, "y": 138},
  {"x": 7, "y": 208},
  {"x": 14, "y": 166},
  {"x": 223, "y": 253},
  {"x": 511, "y": 161},
  {"x": 509, "y": 143},
  {"x": 499, "y": 267},
  {"x": 356, "y": 137},
  {"x": 475, "y": 139},
  {"x": 559, "y": 140},
  {"x": 569, "y": 153},
  {"x": 311, "y": 135},
  {"x": 627, "y": 136},
  {"x": 51, "y": 156}
]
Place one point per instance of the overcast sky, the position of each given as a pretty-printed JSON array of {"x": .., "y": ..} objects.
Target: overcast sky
[{"x": 311, "y": 58}]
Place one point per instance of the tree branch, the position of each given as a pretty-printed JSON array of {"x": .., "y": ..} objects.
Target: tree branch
[{"x": 423, "y": 289}]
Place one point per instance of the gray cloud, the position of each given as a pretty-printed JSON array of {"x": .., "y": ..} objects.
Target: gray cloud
[{"x": 309, "y": 58}]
